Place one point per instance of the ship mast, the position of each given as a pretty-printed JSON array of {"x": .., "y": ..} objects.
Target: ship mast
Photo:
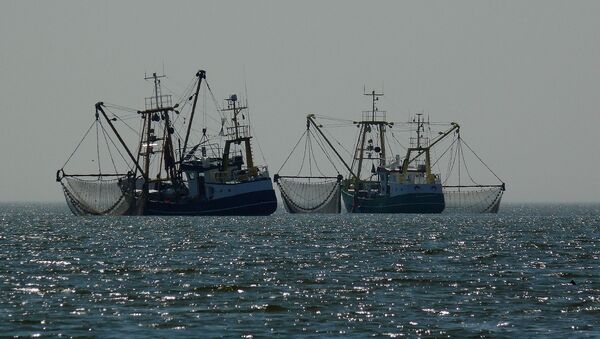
[
  {"x": 420, "y": 150},
  {"x": 237, "y": 134},
  {"x": 201, "y": 75},
  {"x": 157, "y": 107},
  {"x": 420, "y": 129},
  {"x": 370, "y": 119}
]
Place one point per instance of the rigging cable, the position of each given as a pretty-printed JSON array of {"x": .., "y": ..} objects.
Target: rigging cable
[
  {"x": 304, "y": 154},
  {"x": 309, "y": 154},
  {"x": 465, "y": 164},
  {"x": 289, "y": 155},
  {"x": 337, "y": 141},
  {"x": 108, "y": 148},
  {"x": 315, "y": 161},
  {"x": 79, "y": 144},
  {"x": 390, "y": 152},
  {"x": 214, "y": 99},
  {"x": 451, "y": 164},
  {"x": 122, "y": 108},
  {"x": 120, "y": 119},
  {"x": 204, "y": 109},
  {"x": 334, "y": 119},
  {"x": 398, "y": 141},
  {"x": 327, "y": 155},
  {"x": 116, "y": 147},
  {"x": 98, "y": 148},
  {"x": 459, "y": 155},
  {"x": 185, "y": 98},
  {"x": 262, "y": 155},
  {"x": 463, "y": 141},
  {"x": 187, "y": 91},
  {"x": 443, "y": 153},
  {"x": 356, "y": 147}
]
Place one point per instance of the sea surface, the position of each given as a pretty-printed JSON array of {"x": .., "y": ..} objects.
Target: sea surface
[{"x": 531, "y": 270}]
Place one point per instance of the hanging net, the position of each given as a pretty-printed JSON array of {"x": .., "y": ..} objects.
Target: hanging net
[
  {"x": 98, "y": 196},
  {"x": 472, "y": 199},
  {"x": 462, "y": 193},
  {"x": 310, "y": 195},
  {"x": 109, "y": 191},
  {"x": 312, "y": 189}
]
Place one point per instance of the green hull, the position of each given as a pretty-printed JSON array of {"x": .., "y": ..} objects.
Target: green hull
[{"x": 413, "y": 202}]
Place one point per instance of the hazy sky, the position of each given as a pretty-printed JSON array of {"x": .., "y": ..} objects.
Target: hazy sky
[{"x": 522, "y": 77}]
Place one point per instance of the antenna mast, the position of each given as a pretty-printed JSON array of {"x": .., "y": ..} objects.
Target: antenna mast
[
  {"x": 371, "y": 119},
  {"x": 158, "y": 106}
]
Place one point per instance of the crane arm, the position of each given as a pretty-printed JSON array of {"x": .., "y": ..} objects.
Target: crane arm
[
  {"x": 420, "y": 151},
  {"x": 310, "y": 119}
]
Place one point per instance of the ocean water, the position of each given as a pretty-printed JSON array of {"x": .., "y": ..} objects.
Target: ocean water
[{"x": 531, "y": 270}]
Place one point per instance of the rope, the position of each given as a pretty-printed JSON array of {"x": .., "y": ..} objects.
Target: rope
[
  {"x": 391, "y": 154},
  {"x": 289, "y": 155},
  {"x": 98, "y": 149},
  {"x": 183, "y": 100},
  {"x": 339, "y": 143},
  {"x": 119, "y": 107},
  {"x": 451, "y": 165},
  {"x": 123, "y": 121},
  {"x": 108, "y": 148},
  {"x": 214, "y": 99},
  {"x": 262, "y": 155},
  {"x": 117, "y": 148},
  {"x": 187, "y": 91},
  {"x": 316, "y": 163},
  {"x": 458, "y": 156},
  {"x": 482, "y": 161},
  {"x": 465, "y": 163},
  {"x": 304, "y": 154},
  {"x": 327, "y": 155},
  {"x": 79, "y": 144},
  {"x": 334, "y": 119},
  {"x": 356, "y": 146},
  {"x": 444, "y": 153}
]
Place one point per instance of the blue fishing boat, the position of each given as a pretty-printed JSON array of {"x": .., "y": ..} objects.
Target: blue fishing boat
[
  {"x": 408, "y": 186},
  {"x": 169, "y": 172}
]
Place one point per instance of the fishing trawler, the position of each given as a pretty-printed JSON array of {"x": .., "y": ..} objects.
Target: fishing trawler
[
  {"x": 171, "y": 173},
  {"x": 378, "y": 183},
  {"x": 389, "y": 188}
]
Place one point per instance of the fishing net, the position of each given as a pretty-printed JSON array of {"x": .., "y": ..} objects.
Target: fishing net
[
  {"x": 472, "y": 200},
  {"x": 304, "y": 195},
  {"x": 98, "y": 196}
]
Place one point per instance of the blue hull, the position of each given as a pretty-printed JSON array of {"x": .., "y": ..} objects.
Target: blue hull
[
  {"x": 253, "y": 203},
  {"x": 405, "y": 203}
]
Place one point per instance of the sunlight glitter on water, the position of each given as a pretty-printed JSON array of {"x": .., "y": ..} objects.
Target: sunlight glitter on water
[{"x": 528, "y": 271}]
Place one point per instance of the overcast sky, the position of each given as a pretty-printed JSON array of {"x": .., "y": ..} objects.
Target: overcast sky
[{"x": 522, "y": 77}]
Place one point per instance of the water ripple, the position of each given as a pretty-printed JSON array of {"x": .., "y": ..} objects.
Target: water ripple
[{"x": 531, "y": 270}]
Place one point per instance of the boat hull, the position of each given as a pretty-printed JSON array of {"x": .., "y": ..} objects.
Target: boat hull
[
  {"x": 246, "y": 204},
  {"x": 405, "y": 203}
]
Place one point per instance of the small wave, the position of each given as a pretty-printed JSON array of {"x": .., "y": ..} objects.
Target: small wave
[
  {"x": 221, "y": 288},
  {"x": 269, "y": 308}
]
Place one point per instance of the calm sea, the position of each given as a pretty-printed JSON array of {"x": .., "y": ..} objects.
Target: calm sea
[{"x": 532, "y": 270}]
